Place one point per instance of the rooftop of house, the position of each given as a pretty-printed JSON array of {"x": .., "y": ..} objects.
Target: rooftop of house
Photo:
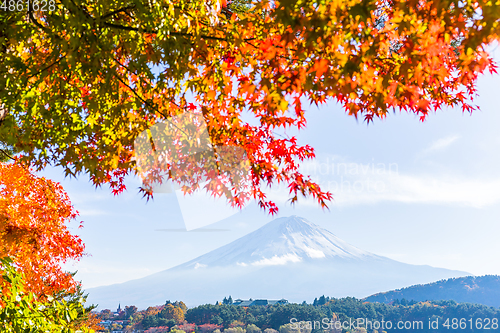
[{"x": 252, "y": 302}]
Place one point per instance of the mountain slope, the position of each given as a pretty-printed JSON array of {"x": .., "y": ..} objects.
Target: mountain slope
[
  {"x": 287, "y": 258},
  {"x": 283, "y": 240},
  {"x": 471, "y": 289}
]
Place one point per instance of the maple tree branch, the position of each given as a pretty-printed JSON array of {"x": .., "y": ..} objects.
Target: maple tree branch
[
  {"x": 124, "y": 27},
  {"x": 255, "y": 47},
  {"x": 146, "y": 102},
  {"x": 6, "y": 154},
  {"x": 82, "y": 9},
  {"x": 24, "y": 165},
  {"x": 124, "y": 9},
  {"x": 131, "y": 71},
  {"x": 279, "y": 56},
  {"x": 135, "y": 92},
  {"x": 33, "y": 19},
  {"x": 39, "y": 25},
  {"x": 47, "y": 67}
]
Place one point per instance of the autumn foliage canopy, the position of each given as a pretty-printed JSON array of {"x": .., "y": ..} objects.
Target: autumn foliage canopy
[
  {"x": 80, "y": 83},
  {"x": 34, "y": 213}
]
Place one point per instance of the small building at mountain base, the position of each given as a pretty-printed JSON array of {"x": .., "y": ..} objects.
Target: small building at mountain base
[{"x": 261, "y": 302}]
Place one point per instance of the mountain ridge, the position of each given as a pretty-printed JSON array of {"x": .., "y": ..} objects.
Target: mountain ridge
[
  {"x": 470, "y": 289},
  {"x": 288, "y": 258}
]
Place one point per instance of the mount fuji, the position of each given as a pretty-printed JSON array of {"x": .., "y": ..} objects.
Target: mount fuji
[{"x": 289, "y": 258}]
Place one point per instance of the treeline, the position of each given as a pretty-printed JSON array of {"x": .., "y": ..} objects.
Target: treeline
[
  {"x": 348, "y": 310},
  {"x": 167, "y": 316},
  {"x": 472, "y": 289},
  {"x": 328, "y": 315}
]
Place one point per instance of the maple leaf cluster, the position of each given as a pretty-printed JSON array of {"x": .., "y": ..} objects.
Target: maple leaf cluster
[
  {"x": 80, "y": 84},
  {"x": 34, "y": 213}
]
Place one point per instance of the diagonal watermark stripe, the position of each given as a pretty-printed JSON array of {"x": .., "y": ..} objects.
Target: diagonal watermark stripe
[{"x": 179, "y": 157}]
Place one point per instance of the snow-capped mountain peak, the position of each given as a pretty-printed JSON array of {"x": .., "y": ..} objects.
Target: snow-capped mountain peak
[
  {"x": 281, "y": 241},
  {"x": 288, "y": 258}
]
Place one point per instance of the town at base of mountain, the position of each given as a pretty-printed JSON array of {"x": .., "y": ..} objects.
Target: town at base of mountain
[{"x": 323, "y": 315}]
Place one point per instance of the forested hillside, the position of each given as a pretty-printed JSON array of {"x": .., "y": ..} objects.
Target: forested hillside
[
  {"x": 472, "y": 289},
  {"x": 325, "y": 315}
]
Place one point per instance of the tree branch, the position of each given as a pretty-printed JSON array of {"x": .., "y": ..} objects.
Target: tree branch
[
  {"x": 123, "y": 27},
  {"x": 116, "y": 12},
  {"x": 38, "y": 24},
  {"x": 138, "y": 96},
  {"x": 82, "y": 9},
  {"x": 6, "y": 154},
  {"x": 47, "y": 67},
  {"x": 144, "y": 101}
]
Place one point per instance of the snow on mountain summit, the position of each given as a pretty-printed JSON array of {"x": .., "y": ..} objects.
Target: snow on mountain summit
[
  {"x": 281, "y": 241},
  {"x": 289, "y": 258}
]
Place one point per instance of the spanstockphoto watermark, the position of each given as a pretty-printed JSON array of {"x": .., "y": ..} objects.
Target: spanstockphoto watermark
[
  {"x": 348, "y": 177},
  {"x": 333, "y": 167},
  {"x": 335, "y": 325}
]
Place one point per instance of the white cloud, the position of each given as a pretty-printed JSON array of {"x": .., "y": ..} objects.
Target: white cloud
[
  {"x": 313, "y": 253},
  {"x": 198, "y": 265},
  {"x": 372, "y": 184},
  {"x": 277, "y": 260},
  {"x": 441, "y": 144},
  {"x": 438, "y": 189}
]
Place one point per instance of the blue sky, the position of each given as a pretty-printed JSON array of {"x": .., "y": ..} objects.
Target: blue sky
[{"x": 421, "y": 193}]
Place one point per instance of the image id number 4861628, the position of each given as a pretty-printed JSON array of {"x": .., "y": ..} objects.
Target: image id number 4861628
[{"x": 21, "y": 5}]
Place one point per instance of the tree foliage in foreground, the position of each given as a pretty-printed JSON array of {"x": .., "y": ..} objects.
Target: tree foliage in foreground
[
  {"x": 81, "y": 81},
  {"x": 23, "y": 311},
  {"x": 34, "y": 213}
]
